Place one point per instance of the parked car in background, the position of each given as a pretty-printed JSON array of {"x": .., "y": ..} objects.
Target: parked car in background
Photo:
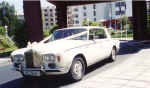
[{"x": 68, "y": 50}]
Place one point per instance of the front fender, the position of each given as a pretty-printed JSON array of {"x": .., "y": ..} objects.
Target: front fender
[{"x": 69, "y": 56}]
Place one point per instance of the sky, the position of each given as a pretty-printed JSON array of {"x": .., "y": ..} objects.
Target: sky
[{"x": 19, "y": 4}]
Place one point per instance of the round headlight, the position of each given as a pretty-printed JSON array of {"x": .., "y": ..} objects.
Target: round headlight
[
  {"x": 18, "y": 58},
  {"x": 49, "y": 58}
]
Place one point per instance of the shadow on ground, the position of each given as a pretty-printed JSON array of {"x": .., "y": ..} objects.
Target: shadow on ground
[
  {"x": 131, "y": 47},
  {"x": 6, "y": 54},
  {"x": 48, "y": 82}
]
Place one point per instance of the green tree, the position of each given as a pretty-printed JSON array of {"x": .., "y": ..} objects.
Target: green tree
[
  {"x": 47, "y": 32},
  {"x": 91, "y": 23},
  {"x": 2, "y": 31},
  {"x": 8, "y": 17},
  {"x": 85, "y": 23},
  {"x": 53, "y": 28},
  {"x": 126, "y": 23},
  {"x": 20, "y": 35}
]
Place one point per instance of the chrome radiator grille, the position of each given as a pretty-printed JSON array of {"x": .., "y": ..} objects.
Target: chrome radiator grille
[{"x": 29, "y": 59}]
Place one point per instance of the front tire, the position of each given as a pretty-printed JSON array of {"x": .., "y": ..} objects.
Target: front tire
[
  {"x": 113, "y": 54},
  {"x": 77, "y": 69}
]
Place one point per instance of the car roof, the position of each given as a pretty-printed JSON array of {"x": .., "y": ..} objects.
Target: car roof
[{"x": 86, "y": 27}]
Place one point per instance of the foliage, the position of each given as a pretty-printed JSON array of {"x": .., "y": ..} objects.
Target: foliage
[
  {"x": 6, "y": 44},
  {"x": 126, "y": 23},
  {"x": 2, "y": 31},
  {"x": 53, "y": 28},
  {"x": 20, "y": 35},
  {"x": 15, "y": 29},
  {"x": 91, "y": 23},
  {"x": 46, "y": 32},
  {"x": 130, "y": 25},
  {"x": 117, "y": 34},
  {"x": 124, "y": 19},
  {"x": 85, "y": 23},
  {"x": 8, "y": 17}
]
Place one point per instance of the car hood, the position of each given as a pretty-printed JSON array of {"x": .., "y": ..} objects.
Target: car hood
[{"x": 54, "y": 47}]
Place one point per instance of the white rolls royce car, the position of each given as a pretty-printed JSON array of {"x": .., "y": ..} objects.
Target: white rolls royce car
[{"x": 68, "y": 50}]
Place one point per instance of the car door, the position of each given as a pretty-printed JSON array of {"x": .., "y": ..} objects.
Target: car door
[
  {"x": 88, "y": 48},
  {"x": 95, "y": 47},
  {"x": 102, "y": 44}
]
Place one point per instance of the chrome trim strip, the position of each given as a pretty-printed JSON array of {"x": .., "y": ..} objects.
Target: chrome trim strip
[{"x": 58, "y": 69}]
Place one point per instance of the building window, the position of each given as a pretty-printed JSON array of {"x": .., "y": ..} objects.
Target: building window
[
  {"x": 52, "y": 20},
  {"x": 77, "y": 22},
  {"x": 94, "y": 19},
  {"x": 72, "y": 21},
  {"x": 84, "y": 14},
  {"x": 47, "y": 24},
  {"x": 94, "y": 6},
  {"x": 50, "y": 10},
  {"x": 94, "y": 13},
  {"x": 84, "y": 7},
  {"x": 51, "y": 15},
  {"x": 46, "y": 19},
  {"x": 120, "y": 12},
  {"x": 46, "y": 14},
  {"x": 51, "y": 23},
  {"x": 76, "y": 15},
  {"x": 76, "y": 9},
  {"x": 45, "y": 10},
  {"x": 120, "y": 4}
]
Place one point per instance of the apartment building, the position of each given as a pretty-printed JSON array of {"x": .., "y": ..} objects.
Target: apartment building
[
  {"x": 99, "y": 12},
  {"x": 107, "y": 13},
  {"x": 49, "y": 17}
]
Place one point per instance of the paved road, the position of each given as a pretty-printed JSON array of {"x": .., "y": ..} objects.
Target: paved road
[{"x": 12, "y": 79}]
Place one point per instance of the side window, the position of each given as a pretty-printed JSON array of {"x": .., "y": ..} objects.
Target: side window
[
  {"x": 81, "y": 37},
  {"x": 97, "y": 34}
]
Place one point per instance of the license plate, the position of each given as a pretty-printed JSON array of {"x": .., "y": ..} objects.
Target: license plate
[{"x": 32, "y": 73}]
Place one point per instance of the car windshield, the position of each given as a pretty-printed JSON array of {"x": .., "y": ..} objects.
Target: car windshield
[{"x": 59, "y": 34}]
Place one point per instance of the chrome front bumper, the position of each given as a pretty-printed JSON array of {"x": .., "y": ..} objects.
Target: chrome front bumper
[{"x": 41, "y": 71}]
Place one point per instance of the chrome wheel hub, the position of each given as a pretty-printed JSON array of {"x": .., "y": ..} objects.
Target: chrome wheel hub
[
  {"x": 113, "y": 54},
  {"x": 78, "y": 69}
]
